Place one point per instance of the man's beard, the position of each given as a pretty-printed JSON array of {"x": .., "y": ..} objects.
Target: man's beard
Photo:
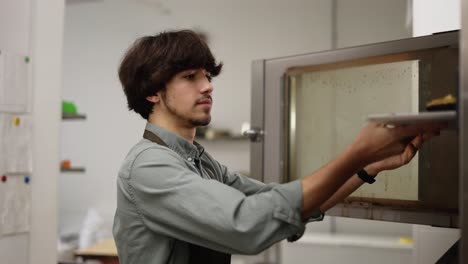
[{"x": 194, "y": 122}]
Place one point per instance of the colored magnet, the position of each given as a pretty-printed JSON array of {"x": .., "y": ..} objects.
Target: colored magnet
[
  {"x": 16, "y": 121},
  {"x": 26, "y": 179},
  {"x": 26, "y": 59},
  {"x": 4, "y": 178}
]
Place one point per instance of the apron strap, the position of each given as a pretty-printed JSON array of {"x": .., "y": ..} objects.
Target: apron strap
[{"x": 154, "y": 138}]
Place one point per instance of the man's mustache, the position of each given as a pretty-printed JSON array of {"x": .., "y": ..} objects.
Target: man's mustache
[{"x": 205, "y": 98}]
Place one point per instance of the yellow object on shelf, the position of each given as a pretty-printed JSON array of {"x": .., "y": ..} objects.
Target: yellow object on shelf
[{"x": 406, "y": 240}]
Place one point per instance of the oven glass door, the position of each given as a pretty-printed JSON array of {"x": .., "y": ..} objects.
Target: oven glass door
[{"x": 327, "y": 104}]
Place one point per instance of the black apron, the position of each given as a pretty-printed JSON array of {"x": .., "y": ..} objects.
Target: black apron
[{"x": 198, "y": 254}]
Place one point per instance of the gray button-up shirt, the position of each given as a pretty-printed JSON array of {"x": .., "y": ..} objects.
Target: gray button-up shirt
[{"x": 168, "y": 196}]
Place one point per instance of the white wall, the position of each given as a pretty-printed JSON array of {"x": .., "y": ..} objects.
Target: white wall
[
  {"x": 47, "y": 72},
  {"x": 98, "y": 32},
  {"x": 431, "y": 16},
  {"x": 362, "y": 22}
]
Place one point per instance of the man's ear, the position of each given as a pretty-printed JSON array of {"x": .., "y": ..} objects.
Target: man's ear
[{"x": 154, "y": 98}]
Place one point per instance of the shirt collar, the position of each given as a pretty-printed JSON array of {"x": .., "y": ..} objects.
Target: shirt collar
[{"x": 177, "y": 143}]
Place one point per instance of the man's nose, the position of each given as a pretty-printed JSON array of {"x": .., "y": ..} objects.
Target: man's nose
[{"x": 207, "y": 87}]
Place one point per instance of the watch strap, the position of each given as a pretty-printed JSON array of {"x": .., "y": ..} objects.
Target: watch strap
[{"x": 363, "y": 175}]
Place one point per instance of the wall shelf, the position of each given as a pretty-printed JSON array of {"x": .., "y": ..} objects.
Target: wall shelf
[
  {"x": 223, "y": 138},
  {"x": 67, "y": 116},
  {"x": 73, "y": 169},
  {"x": 66, "y": 169}
]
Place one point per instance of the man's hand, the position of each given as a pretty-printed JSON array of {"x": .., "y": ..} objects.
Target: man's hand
[
  {"x": 396, "y": 161},
  {"x": 377, "y": 142}
]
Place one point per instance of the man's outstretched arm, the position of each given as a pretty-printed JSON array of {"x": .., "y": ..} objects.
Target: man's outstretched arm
[
  {"x": 388, "y": 148},
  {"x": 373, "y": 169}
]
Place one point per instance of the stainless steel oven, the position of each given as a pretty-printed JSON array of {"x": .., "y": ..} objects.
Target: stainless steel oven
[{"x": 307, "y": 108}]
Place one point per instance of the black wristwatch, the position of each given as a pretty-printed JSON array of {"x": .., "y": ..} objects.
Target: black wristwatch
[{"x": 362, "y": 174}]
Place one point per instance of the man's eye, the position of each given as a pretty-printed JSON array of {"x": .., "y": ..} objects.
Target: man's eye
[{"x": 190, "y": 76}]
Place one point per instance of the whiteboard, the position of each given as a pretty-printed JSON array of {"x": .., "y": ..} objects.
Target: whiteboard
[
  {"x": 15, "y": 92},
  {"x": 15, "y": 97}
]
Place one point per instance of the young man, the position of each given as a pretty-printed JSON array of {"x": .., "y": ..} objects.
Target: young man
[{"x": 176, "y": 204}]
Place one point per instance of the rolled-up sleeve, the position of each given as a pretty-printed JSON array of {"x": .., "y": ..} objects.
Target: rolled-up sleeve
[{"x": 174, "y": 201}]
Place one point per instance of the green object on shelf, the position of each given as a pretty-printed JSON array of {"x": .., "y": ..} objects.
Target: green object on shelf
[{"x": 69, "y": 108}]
